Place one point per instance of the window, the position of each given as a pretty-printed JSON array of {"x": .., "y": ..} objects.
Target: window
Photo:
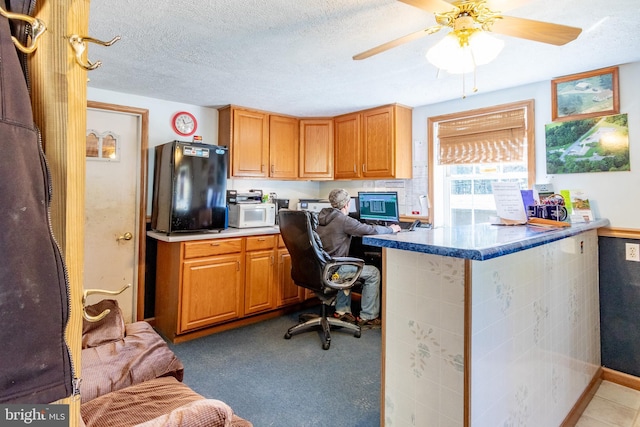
[
  {"x": 102, "y": 146},
  {"x": 468, "y": 151}
]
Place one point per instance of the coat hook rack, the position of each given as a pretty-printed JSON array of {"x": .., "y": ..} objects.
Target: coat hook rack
[
  {"x": 79, "y": 45},
  {"x": 37, "y": 29},
  {"x": 102, "y": 315}
]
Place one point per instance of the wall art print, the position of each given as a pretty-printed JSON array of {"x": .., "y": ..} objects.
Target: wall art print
[
  {"x": 596, "y": 144},
  {"x": 589, "y": 94}
]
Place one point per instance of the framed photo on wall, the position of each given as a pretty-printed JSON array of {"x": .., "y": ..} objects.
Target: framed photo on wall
[
  {"x": 594, "y": 144},
  {"x": 584, "y": 95}
]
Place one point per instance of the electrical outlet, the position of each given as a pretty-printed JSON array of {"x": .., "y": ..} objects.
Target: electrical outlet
[{"x": 632, "y": 251}]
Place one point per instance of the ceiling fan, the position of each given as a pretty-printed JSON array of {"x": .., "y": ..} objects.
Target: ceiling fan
[{"x": 469, "y": 17}]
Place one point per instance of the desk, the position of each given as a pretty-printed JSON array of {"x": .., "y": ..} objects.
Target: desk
[
  {"x": 371, "y": 255},
  {"x": 487, "y": 326}
]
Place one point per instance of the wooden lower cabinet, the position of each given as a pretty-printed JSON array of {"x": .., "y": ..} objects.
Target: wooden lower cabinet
[
  {"x": 288, "y": 292},
  {"x": 259, "y": 273},
  {"x": 207, "y": 284},
  {"x": 211, "y": 291}
]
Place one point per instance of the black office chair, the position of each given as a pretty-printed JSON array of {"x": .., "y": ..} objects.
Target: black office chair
[{"x": 313, "y": 268}]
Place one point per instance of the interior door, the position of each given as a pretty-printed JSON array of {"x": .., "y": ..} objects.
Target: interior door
[{"x": 112, "y": 210}]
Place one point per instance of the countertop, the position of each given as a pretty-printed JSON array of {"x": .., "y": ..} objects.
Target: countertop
[
  {"x": 477, "y": 242},
  {"x": 224, "y": 234}
]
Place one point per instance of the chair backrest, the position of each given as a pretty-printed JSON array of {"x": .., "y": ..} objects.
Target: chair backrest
[{"x": 308, "y": 259}]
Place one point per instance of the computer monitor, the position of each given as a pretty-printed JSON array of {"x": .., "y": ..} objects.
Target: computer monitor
[
  {"x": 353, "y": 208},
  {"x": 378, "y": 206}
]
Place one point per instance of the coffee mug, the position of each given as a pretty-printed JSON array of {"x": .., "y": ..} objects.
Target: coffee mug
[
  {"x": 537, "y": 211},
  {"x": 556, "y": 213},
  {"x": 553, "y": 212}
]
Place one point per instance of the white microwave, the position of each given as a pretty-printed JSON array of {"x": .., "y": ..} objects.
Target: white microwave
[{"x": 247, "y": 215}]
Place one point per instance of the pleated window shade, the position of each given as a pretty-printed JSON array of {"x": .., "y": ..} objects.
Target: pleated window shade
[{"x": 487, "y": 138}]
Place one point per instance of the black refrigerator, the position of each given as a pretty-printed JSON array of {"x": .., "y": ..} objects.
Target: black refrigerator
[{"x": 189, "y": 188}]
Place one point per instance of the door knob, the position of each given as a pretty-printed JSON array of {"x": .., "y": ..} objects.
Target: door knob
[{"x": 125, "y": 236}]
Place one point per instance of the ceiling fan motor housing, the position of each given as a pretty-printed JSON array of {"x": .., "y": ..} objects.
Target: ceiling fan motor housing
[{"x": 466, "y": 15}]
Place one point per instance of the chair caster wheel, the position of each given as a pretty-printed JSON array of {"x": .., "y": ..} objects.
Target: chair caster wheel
[
  {"x": 357, "y": 334},
  {"x": 287, "y": 336},
  {"x": 325, "y": 346}
]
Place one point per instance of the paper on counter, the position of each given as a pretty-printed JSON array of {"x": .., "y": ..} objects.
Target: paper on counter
[{"x": 509, "y": 205}]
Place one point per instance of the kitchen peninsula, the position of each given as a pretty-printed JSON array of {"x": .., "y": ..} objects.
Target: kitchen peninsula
[{"x": 488, "y": 325}]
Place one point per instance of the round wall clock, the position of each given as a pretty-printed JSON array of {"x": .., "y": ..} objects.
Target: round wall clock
[{"x": 184, "y": 123}]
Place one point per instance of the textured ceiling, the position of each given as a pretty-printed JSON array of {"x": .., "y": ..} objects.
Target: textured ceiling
[{"x": 295, "y": 56}]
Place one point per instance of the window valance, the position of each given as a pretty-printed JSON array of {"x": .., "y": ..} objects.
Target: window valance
[{"x": 498, "y": 137}]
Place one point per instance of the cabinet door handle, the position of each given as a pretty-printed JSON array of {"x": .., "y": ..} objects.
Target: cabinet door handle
[
  {"x": 237, "y": 265},
  {"x": 273, "y": 168},
  {"x": 354, "y": 168},
  {"x": 214, "y": 244},
  {"x": 363, "y": 168}
]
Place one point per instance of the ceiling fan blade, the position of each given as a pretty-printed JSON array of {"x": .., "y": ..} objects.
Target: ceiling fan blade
[
  {"x": 539, "y": 31},
  {"x": 397, "y": 42},
  {"x": 505, "y": 5},
  {"x": 438, "y": 6}
]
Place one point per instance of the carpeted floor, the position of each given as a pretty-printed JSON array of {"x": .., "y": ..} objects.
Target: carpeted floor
[{"x": 271, "y": 381}]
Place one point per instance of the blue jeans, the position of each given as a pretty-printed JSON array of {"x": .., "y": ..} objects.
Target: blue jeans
[{"x": 370, "y": 292}]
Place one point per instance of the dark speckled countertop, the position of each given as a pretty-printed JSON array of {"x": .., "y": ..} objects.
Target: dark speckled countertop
[{"x": 477, "y": 242}]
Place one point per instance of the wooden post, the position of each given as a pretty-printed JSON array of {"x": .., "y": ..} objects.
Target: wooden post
[{"x": 59, "y": 97}]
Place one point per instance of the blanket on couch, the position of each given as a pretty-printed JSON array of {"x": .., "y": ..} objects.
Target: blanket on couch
[{"x": 159, "y": 402}]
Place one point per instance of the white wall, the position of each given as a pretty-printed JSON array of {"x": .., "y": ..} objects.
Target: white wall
[
  {"x": 613, "y": 195},
  {"x": 160, "y": 114},
  {"x": 160, "y": 131}
]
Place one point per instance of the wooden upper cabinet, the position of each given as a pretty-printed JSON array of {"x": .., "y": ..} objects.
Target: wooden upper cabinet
[
  {"x": 283, "y": 147},
  {"x": 347, "y": 163},
  {"x": 386, "y": 142},
  {"x": 369, "y": 144},
  {"x": 246, "y": 133},
  {"x": 374, "y": 143},
  {"x": 316, "y": 148}
]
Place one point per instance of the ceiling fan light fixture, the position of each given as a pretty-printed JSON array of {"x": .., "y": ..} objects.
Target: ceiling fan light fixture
[{"x": 460, "y": 52}]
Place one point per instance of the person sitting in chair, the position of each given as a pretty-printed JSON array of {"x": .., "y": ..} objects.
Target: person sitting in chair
[{"x": 335, "y": 228}]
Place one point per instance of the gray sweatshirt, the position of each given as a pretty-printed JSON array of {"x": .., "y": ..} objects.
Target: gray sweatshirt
[{"x": 335, "y": 230}]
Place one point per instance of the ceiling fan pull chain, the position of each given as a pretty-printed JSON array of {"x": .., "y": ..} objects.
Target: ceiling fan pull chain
[
  {"x": 475, "y": 86},
  {"x": 475, "y": 71},
  {"x": 464, "y": 95}
]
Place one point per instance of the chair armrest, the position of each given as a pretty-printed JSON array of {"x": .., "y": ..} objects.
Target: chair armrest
[
  {"x": 348, "y": 259},
  {"x": 340, "y": 283}
]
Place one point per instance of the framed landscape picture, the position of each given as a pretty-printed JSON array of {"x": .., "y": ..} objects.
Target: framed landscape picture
[
  {"x": 584, "y": 95},
  {"x": 595, "y": 144}
]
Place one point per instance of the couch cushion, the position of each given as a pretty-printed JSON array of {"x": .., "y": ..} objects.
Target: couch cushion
[
  {"x": 138, "y": 403},
  {"x": 140, "y": 356},
  {"x": 109, "y": 329}
]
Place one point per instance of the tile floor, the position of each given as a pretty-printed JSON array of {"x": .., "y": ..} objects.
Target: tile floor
[{"x": 612, "y": 406}]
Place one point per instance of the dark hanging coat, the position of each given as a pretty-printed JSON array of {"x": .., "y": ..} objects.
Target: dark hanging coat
[{"x": 35, "y": 366}]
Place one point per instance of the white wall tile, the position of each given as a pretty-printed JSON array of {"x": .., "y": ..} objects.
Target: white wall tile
[{"x": 535, "y": 335}]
